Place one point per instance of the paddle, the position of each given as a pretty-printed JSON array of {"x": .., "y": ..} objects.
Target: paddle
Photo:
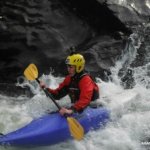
[{"x": 76, "y": 130}]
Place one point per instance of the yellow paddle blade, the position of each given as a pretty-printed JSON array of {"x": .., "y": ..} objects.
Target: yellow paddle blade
[
  {"x": 75, "y": 128},
  {"x": 31, "y": 72}
]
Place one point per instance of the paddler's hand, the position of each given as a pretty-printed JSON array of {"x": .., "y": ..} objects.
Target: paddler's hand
[
  {"x": 64, "y": 111},
  {"x": 42, "y": 85}
]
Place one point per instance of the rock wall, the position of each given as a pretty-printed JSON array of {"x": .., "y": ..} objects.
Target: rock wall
[{"x": 41, "y": 32}]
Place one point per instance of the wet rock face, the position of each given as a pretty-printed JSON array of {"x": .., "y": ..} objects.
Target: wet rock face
[
  {"x": 40, "y": 32},
  {"x": 98, "y": 16},
  {"x": 130, "y": 10}
]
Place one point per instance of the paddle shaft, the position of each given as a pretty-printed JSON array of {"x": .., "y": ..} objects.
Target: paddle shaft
[{"x": 49, "y": 95}]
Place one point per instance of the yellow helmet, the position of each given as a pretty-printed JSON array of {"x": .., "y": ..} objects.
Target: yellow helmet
[{"x": 76, "y": 60}]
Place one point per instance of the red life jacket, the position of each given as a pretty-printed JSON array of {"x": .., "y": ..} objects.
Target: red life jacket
[
  {"x": 74, "y": 90},
  {"x": 81, "y": 89}
]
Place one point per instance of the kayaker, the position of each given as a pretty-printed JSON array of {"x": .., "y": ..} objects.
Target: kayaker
[{"x": 77, "y": 84}]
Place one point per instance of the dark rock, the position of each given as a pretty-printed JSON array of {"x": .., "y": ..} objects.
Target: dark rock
[
  {"x": 98, "y": 15},
  {"x": 40, "y": 32}
]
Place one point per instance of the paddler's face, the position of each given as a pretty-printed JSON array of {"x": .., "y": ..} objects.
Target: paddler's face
[{"x": 71, "y": 70}]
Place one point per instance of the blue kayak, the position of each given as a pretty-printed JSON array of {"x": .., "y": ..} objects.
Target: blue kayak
[{"x": 53, "y": 128}]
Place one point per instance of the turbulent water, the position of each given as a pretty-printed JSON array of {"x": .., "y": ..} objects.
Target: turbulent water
[{"x": 129, "y": 128}]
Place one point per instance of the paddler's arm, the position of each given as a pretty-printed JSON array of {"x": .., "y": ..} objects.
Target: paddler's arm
[{"x": 61, "y": 91}]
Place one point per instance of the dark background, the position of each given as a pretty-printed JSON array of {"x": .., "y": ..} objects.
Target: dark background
[{"x": 42, "y": 32}]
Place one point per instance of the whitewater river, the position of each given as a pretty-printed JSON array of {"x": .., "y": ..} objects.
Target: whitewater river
[{"x": 128, "y": 129}]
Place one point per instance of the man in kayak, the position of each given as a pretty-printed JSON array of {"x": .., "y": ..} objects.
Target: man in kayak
[{"x": 77, "y": 84}]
